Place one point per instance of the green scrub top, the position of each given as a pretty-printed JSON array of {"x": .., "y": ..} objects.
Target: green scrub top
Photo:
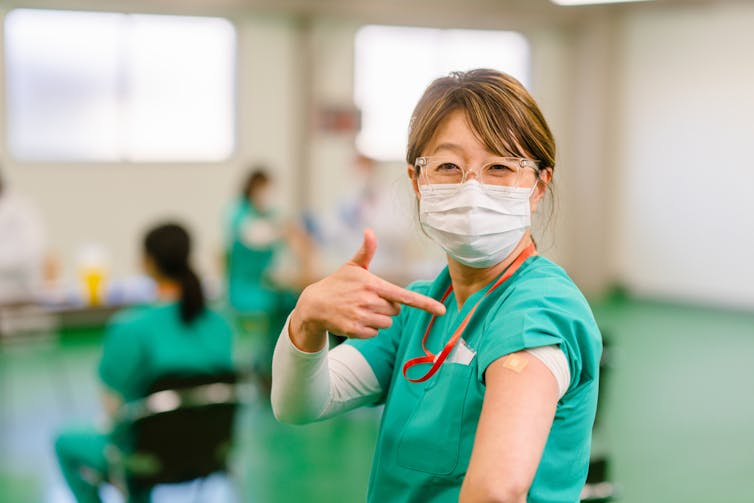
[
  {"x": 144, "y": 343},
  {"x": 248, "y": 290},
  {"x": 427, "y": 430}
]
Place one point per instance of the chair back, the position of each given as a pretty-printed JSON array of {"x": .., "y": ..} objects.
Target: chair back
[{"x": 181, "y": 430}]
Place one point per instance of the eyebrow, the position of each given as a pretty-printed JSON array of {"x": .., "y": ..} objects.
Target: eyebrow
[
  {"x": 449, "y": 146},
  {"x": 458, "y": 149}
]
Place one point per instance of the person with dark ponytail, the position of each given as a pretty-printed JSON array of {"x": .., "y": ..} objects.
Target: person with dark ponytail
[
  {"x": 176, "y": 334},
  {"x": 166, "y": 251}
]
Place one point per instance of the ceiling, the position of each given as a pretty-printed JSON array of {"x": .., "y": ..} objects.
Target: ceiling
[{"x": 455, "y": 12}]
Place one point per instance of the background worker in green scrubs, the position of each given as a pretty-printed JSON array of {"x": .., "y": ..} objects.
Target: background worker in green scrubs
[
  {"x": 177, "y": 334},
  {"x": 256, "y": 237},
  {"x": 489, "y": 372},
  {"x": 253, "y": 237}
]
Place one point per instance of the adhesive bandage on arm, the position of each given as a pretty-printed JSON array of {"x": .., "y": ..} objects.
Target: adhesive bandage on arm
[
  {"x": 555, "y": 360},
  {"x": 308, "y": 387}
]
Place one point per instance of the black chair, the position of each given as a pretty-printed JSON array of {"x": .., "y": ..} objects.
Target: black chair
[
  {"x": 182, "y": 430},
  {"x": 598, "y": 487}
]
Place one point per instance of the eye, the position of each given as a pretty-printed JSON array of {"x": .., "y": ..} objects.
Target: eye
[
  {"x": 447, "y": 167},
  {"x": 499, "y": 169}
]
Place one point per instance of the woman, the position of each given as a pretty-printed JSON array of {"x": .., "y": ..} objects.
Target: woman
[
  {"x": 178, "y": 334},
  {"x": 253, "y": 237},
  {"x": 489, "y": 375},
  {"x": 256, "y": 236}
]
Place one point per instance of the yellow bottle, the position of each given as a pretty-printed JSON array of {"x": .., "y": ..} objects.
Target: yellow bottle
[
  {"x": 94, "y": 285},
  {"x": 93, "y": 274}
]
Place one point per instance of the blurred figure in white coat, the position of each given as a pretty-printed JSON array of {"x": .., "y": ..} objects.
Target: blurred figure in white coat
[{"x": 22, "y": 248}]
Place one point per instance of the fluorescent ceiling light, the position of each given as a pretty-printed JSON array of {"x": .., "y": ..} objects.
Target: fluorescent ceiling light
[{"x": 592, "y": 2}]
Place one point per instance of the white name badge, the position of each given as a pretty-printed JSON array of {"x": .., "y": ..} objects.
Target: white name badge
[{"x": 461, "y": 354}]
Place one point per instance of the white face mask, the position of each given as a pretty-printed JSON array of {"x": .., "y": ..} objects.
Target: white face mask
[{"x": 478, "y": 225}]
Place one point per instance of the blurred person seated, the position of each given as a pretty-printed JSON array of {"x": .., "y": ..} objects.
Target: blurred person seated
[
  {"x": 177, "y": 334},
  {"x": 257, "y": 286}
]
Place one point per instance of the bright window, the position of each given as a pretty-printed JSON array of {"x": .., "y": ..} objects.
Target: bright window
[
  {"x": 91, "y": 86},
  {"x": 395, "y": 64}
]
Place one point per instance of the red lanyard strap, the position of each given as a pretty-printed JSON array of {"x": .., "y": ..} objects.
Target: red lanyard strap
[{"x": 437, "y": 360}]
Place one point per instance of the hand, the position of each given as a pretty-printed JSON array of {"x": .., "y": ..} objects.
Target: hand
[{"x": 352, "y": 302}]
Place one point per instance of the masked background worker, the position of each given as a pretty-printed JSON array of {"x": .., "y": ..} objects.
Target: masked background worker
[
  {"x": 177, "y": 334},
  {"x": 254, "y": 235},
  {"x": 257, "y": 236},
  {"x": 489, "y": 372}
]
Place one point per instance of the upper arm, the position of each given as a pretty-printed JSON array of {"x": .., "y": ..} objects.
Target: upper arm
[
  {"x": 517, "y": 414},
  {"x": 121, "y": 358}
]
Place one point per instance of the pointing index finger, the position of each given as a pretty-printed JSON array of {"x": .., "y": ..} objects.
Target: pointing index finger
[{"x": 394, "y": 293}]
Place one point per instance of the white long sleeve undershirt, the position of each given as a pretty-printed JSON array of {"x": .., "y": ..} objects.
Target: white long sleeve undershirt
[{"x": 310, "y": 387}]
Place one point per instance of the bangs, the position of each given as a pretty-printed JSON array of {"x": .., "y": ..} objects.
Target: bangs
[
  {"x": 500, "y": 111},
  {"x": 496, "y": 124}
]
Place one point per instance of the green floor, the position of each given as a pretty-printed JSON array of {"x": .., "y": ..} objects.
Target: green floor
[{"x": 677, "y": 423}]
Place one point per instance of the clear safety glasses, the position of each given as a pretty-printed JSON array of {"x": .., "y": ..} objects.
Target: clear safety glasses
[{"x": 514, "y": 172}]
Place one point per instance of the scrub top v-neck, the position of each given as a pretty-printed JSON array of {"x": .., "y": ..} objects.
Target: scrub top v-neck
[{"x": 428, "y": 428}]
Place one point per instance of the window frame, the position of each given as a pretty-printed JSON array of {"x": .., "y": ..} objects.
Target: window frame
[{"x": 6, "y": 150}]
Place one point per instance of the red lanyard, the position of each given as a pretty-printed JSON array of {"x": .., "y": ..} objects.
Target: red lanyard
[{"x": 437, "y": 360}]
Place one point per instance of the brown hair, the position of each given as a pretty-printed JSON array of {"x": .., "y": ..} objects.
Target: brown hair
[
  {"x": 256, "y": 177},
  {"x": 502, "y": 113}
]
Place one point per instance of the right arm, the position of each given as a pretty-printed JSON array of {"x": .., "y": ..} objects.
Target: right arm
[
  {"x": 309, "y": 387},
  {"x": 306, "y": 383}
]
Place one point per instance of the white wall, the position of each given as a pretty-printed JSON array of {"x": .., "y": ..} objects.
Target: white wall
[
  {"x": 650, "y": 106},
  {"x": 573, "y": 85},
  {"x": 288, "y": 67},
  {"x": 685, "y": 175},
  {"x": 112, "y": 204},
  {"x": 332, "y": 153}
]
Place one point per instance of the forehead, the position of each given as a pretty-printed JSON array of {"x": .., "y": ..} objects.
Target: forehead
[{"x": 456, "y": 136}]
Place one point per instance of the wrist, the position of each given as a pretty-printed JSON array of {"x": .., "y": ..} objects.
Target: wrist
[{"x": 306, "y": 334}]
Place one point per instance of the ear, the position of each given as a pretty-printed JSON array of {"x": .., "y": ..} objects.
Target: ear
[
  {"x": 411, "y": 170},
  {"x": 545, "y": 177}
]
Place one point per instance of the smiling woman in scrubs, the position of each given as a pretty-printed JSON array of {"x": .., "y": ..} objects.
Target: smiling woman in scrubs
[{"x": 489, "y": 372}]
